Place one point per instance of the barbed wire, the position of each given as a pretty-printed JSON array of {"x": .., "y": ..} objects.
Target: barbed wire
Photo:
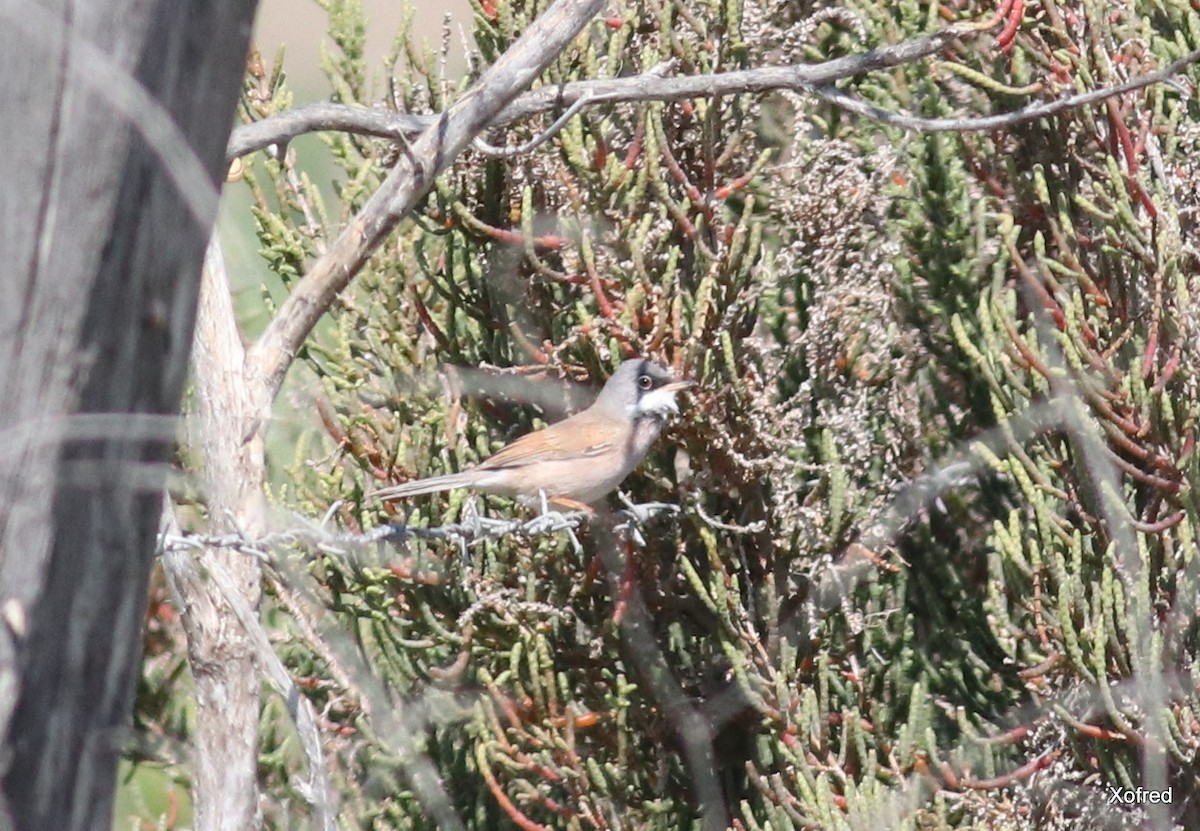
[{"x": 474, "y": 529}]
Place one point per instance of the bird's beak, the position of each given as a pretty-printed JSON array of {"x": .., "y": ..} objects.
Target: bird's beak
[{"x": 678, "y": 386}]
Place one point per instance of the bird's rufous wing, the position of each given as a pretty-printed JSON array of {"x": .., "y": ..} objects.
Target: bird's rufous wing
[{"x": 576, "y": 438}]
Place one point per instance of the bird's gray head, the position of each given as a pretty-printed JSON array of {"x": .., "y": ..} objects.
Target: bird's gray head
[{"x": 641, "y": 389}]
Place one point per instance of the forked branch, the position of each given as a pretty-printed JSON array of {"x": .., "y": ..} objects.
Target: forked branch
[{"x": 450, "y": 133}]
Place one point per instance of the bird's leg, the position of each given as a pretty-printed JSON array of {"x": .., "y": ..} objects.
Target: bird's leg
[
  {"x": 546, "y": 519},
  {"x": 568, "y": 504},
  {"x": 628, "y": 577}
]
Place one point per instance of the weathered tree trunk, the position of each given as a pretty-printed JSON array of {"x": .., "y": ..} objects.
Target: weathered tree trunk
[
  {"x": 220, "y": 651},
  {"x": 117, "y": 114}
]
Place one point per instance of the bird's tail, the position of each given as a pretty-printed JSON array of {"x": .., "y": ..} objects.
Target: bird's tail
[{"x": 433, "y": 484}]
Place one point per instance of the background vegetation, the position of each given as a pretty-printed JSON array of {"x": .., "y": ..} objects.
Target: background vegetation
[{"x": 935, "y": 562}]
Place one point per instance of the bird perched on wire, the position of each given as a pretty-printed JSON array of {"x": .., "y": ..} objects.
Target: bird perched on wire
[{"x": 577, "y": 461}]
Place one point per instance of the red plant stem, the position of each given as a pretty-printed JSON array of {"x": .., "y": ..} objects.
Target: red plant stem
[
  {"x": 1012, "y": 736},
  {"x": 535, "y": 353},
  {"x": 404, "y": 571},
  {"x": 1039, "y": 290},
  {"x": 1001, "y": 14},
  {"x": 1136, "y": 473},
  {"x": 1189, "y": 445},
  {"x": 546, "y": 242},
  {"x": 427, "y": 320},
  {"x": 1143, "y": 197},
  {"x": 1121, "y": 135},
  {"x": 331, "y": 426},
  {"x": 602, "y": 302},
  {"x": 1161, "y": 525},
  {"x": 510, "y": 712},
  {"x": 693, "y": 193},
  {"x": 1008, "y": 35},
  {"x": 725, "y": 191},
  {"x": 1023, "y": 772},
  {"x": 635, "y": 150},
  {"x": 987, "y": 179},
  {"x": 1125, "y": 425},
  {"x": 371, "y": 454},
  {"x": 1168, "y": 370},
  {"x": 1038, "y": 670},
  {"x": 514, "y": 813},
  {"x": 1024, "y": 352},
  {"x": 1092, "y": 730},
  {"x": 1151, "y": 351}
]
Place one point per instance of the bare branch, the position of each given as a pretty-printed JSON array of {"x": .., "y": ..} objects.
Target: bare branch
[
  {"x": 1031, "y": 112},
  {"x": 438, "y": 146},
  {"x": 222, "y": 655},
  {"x": 811, "y": 78},
  {"x": 314, "y": 118},
  {"x": 316, "y": 790},
  {"x": 650, "y": 86}
]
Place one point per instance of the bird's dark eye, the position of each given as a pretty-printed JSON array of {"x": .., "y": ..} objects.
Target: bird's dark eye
[{"x": 645, "y": 382}]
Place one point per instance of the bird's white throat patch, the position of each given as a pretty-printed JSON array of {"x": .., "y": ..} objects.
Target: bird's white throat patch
[{"x": 658, "y": 403}]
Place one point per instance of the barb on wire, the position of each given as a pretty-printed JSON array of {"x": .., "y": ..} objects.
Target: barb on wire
[{"x": 636, "y": 515}]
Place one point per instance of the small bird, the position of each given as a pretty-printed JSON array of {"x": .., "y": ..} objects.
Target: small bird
[{"x": 577, "y": 461}]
